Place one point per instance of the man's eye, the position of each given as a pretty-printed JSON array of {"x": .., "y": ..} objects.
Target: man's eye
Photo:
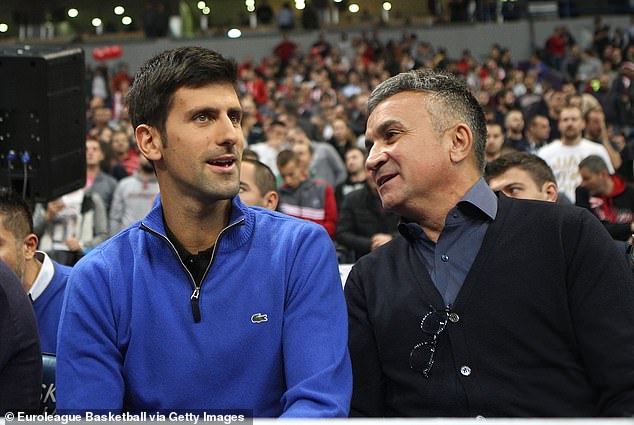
[
  {"x": 236, "y": 118},
  {"x": 201, "y": 117},
  {"x": 389, "y": 135}
]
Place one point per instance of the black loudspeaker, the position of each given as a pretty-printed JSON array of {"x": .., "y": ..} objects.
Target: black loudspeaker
[{"x": 42, "y": 121}]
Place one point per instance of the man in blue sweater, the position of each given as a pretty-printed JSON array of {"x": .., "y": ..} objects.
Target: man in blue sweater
[
  {"x": 43, "y": 279},
  {"x": 484, "y": 305},
  {"x": 205, "y": 303}
]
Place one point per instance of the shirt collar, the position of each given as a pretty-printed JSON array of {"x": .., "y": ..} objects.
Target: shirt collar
[
  {"x": 479, "y": 199},
  {"x": 44, "y": 277},
  {"x": 482, "y": 197}
]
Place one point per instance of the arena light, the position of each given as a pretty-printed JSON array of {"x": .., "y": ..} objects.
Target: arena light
[
  {"x": 387, "y": 5},
  {"x": 4, "y": 27},
  {"x": 201, "y": 5},
  {"x": 72, "y": 13},
  {"x": 354, "y": 8},
  {"x": 126, "y": 20},
  {"x": 119, "y": 10},
  {"x": 206, "y": 10},
  {"x": 96, "y": 22},
  {"x": 234, "y": 33}
]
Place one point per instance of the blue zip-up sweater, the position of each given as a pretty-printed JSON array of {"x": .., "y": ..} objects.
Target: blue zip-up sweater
[{"x": 272, "y": 335}]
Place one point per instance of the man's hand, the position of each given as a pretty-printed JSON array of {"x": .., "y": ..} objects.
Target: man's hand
[
  {"x": 379, "y": 239},
  {"x": 53, "y": 208},
  {"x": 73, "y": 245}
]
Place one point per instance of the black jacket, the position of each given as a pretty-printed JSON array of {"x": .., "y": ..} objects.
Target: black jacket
[
  {"x": 544, "y": 324},
  {"x": 20, "y": 353},
  {"x": 360, "y": 217}
]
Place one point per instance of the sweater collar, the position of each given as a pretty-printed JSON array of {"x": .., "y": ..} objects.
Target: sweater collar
[{"x": 238, "y": 230}]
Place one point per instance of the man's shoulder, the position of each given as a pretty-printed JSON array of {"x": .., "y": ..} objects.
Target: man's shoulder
[
  {"x": 279, "y": 223},
  {"x": 537, "y": 216},
  {"x": 550, "y": 148},
  {"x": 106, "y": 178}
]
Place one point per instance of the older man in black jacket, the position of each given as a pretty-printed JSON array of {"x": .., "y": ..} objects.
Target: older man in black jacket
[{"x": 484, "y": 306}]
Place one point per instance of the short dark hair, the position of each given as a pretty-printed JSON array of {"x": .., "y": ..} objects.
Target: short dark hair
[
  {"x": 16, "y": 213},
  {"x": 264, "y": 177},
  {"x": 594, "y": 163},
  {"x": 536, "y": 167},
  {"x": 358, "y": 148},
  {"x": 533, "y": 119},
  {"x": 285, "y": 157},
  {"x": 150, "y": 97},
  {"x": 449, "y": 101}
]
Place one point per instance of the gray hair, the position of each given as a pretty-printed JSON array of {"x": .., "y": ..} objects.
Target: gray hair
[{"x": 448, "y": 102}]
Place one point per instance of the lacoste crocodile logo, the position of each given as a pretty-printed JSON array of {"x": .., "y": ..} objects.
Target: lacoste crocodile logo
[{"x": 259, "y": 318}]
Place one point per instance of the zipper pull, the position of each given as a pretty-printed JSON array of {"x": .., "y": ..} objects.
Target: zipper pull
[{"x": 195, "y": 304}]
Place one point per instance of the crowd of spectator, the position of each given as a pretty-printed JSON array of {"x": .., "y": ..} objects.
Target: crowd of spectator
[{"x": 312, "y": 103}]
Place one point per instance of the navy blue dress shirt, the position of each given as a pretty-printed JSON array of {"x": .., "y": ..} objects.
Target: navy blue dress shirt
[{"x": 449, "y": 260}]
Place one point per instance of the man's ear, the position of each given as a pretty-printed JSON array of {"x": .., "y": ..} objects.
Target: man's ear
[
  {"x": 270, "y": 200},
  {"x": 550, "y": 190},
  {"x": 148, "y": 139},
  {"x": 461, "y": 142},
  {"x": 30, "y": 246}
]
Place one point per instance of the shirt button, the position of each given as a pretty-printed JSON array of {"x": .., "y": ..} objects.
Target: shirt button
[
  {"x": 465, "y": 370},
  {"x": 444, "y": 258},
  {"x": 454, "y": 318}
]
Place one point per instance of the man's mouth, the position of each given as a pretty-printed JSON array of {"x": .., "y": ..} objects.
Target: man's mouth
[
  {"x": 222, "y": 162},
  {"x": 383, "y": 179}
]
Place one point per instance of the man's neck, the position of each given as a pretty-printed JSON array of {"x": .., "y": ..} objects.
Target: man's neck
[
  {"x": 533, "y": 141},
  {"x": 490, "y": 156},
  {"x": 195, "y": 224},
  {"x": 358, "y": 177},
  {"x": 32, "y": 270},
  {"x": 432, "y": 219},
  {"x": 92, "y": 170},
  {"x": 514, "y": 135},
  {"x": 570, "y": 141}
]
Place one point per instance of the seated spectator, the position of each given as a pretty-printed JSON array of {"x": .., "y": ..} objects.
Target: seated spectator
[
  {"x": 514, "y": 124},
  {"x": 342, "y": 137},
  {"x": 133, "y": 197},
  {"x": 522, "y": 175},
  {"x": 258, "y": 187},
  {"x": 301, "y": 197},
  {"x": 125, "y": 153},
  {"x": 70, "y": 226},
  {"x": 537, "y": 132},
  {"x": 43, "y": 280},
  {"x": 101, "y": 129},
  {"x": 597, "y": 131},
  {"x": 607, "y": 196},
  {"x": 564, "y": 155},
  {"x": 324, "y": 162},
  {"x": 20, "y": 353},
  {"x": 355, "y": 165},
  {"x": 495, "y": 142},
  {"x": 275, "y": 143},
  {"x": 363, "y": 224},
  {"x": 98, "y": 181}
]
